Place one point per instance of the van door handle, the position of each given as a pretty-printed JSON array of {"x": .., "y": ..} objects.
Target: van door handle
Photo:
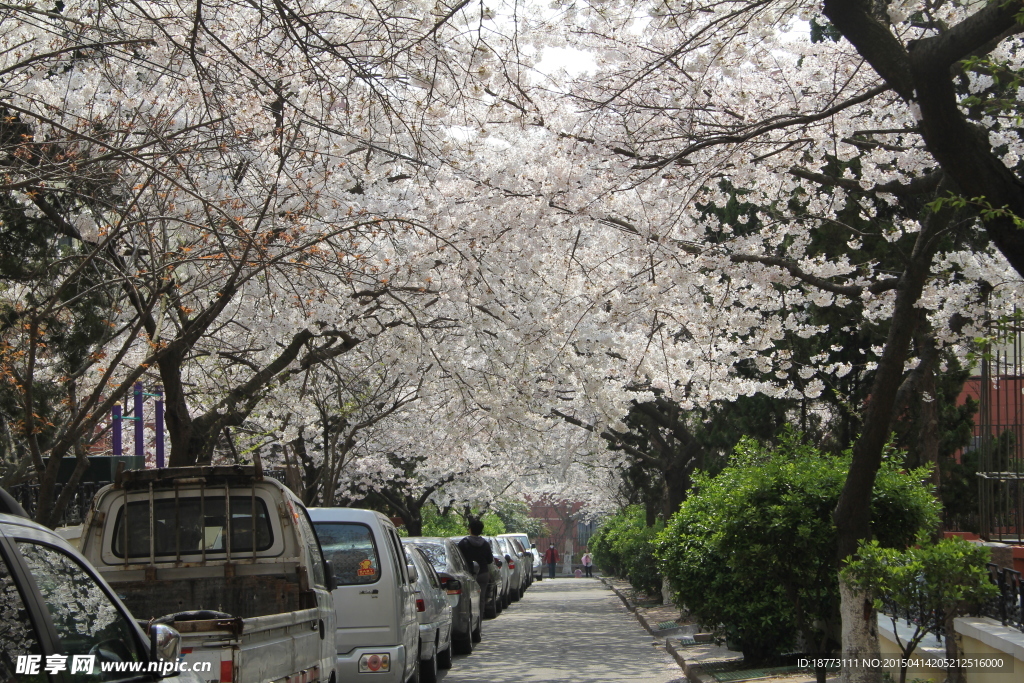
[{"x": 373, "y": 592}]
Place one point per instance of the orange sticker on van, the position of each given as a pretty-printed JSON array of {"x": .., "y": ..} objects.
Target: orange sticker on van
[{"x": 365, "y": 568}]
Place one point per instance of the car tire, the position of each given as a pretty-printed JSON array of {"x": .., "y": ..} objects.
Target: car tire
[
  {"x": 415, "y": 678},
  {"x": 428, "y": 669},
  {"x": 477, "y": 635},
  {"x": 444, "y": 658},
  {"x": 464, "y": 646},
  {"x": 490, "y": 608},
  {"x": 514, "y": 595}
]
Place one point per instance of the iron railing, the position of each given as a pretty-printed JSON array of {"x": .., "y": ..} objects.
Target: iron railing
[
  {"x": 1000, "y": 434},
  {"x": 74, "y": 513},
  {"x": 1006, "y": 608}
]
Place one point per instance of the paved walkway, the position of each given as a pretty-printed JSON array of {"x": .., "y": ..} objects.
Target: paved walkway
[{"x": 569, "y": 631}]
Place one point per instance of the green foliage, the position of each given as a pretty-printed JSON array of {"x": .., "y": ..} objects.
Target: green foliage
[
  {"x": 933, "y": 581},
  {"x": 69, "y": 315},
  {"x": 453, "y": 524},
  {"x": 515, "y": 515},
  {"x": 753, "y": 552},
  {"x": 624, "y": 546}
]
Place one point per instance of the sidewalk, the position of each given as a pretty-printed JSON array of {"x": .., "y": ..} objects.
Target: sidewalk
[{"x": 702, "y": 660}]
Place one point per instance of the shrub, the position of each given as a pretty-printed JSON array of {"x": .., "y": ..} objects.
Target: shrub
[
  {"x": 753, "y": 551},
  {"x": 624, "y": 546},
  {"x": 932, "y": 582}
]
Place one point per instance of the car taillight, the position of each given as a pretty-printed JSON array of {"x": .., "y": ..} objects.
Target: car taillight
[
  {"x": 511, "y": 564},
  {"x": 421, "y": 606}
]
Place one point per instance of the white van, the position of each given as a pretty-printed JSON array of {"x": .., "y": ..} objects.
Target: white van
[{"x": 378, "y": 633}]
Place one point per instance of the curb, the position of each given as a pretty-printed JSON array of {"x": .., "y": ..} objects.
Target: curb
[{"x": 693, "y": 672}]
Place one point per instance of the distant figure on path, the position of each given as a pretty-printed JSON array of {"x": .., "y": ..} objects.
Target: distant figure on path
[
  {"x": 588, "y": 564},
  {"x": 551, "y": 558}
]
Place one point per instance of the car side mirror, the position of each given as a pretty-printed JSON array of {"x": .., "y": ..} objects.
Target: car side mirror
[
  {"x": 413, "y": 574},
  {"x": 508, "y": 558},
  {"x": 164, "y": 643},
  {"x": 329, "y": 578}
]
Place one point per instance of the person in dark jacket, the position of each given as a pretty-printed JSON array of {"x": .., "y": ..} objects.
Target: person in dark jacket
[{"x": 475, "y": 548}]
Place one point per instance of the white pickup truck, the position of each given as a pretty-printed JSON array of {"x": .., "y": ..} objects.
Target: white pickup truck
[{"x": 229, "y": 559}]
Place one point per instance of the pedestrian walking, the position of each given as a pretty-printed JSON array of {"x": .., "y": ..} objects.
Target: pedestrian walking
[
  {"x": 475, "y": 548},
  {"x": 551, "y": 558},
  {"x": 588, "y": 564}
]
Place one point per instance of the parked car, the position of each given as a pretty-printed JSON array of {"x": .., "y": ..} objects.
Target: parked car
[
  {"x": 459, "y": 581},
  {"x": 525, "y": 561},
  {"x": 52, "y": 618},
  {"x": 435, "y": 617},
  {"x": 535, "y": 561},
  {"x": 504, "y": 571},
  {"x": 226, "y": 556},
  {"x": 494, "y": 602},
  {"x": 517, "y": 571},
  {"x": 378, "y": 633}
]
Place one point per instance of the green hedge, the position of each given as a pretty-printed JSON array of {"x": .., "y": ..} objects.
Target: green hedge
[
  {"x": 624, "y": 546},
  {"x": 752, "y": 551}
]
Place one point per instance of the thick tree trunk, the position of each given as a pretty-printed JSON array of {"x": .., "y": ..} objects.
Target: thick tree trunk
[
  {"x": 677, "y": 483},
  {"x": 860, "y": 634},
  {"x": 954, "y": 674},
  {"x": 853, "y": 512}
]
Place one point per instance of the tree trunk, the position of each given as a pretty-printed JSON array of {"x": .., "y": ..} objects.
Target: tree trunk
[
  {"x": 860, "y": 634},
  {"x": 677, "y": 484},
  {"x": 853, "y": 512},
  {"x": 954, "y": 674},
  {"x": 413, "y": 521}
]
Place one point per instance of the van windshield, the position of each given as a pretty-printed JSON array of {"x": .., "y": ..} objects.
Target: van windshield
[{"x": 351, "y": 551}]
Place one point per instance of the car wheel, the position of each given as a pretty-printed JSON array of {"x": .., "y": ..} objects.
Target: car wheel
[
  {"x": 444, "y": 658},
  {"x": 464, "y": 646},
  {"x": 415, "y": 678},
  {"x": 477, "y": 633},
  {"x": 514, "y": 595},
  {"x": 428, "y": 669},
  {"x": 491, "y": 608}
]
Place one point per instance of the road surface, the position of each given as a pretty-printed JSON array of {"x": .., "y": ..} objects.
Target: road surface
[{"x": 565, "y": 631}]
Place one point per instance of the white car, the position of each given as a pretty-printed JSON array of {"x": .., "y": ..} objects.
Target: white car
[
  {"x": 435, "y": 616},
  {"x": 378, "y": 632}
]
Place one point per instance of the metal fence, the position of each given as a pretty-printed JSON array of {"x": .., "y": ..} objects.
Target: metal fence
[
  {"x": 1001, "y": 435},
  {"x": 1007, "y": 607},
  {"x": 74, "y": 513}
]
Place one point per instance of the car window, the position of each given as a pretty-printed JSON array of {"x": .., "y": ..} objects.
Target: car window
[
  {"x": 313, "y": 556},
  {"x": 435, "y": 555},
  {"x": 18, "y": 638},
  {"x": 399, "y": 555},
  {"x": 192, "y": 525},
  {"x": 428, "y": 568},
  {"x": 86, "y": 620},
  {"x": 456, "y": 558},
  {"x": 350, "y": 548}
]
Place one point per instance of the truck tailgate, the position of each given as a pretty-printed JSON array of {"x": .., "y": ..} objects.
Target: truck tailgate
[{"x": 268, "y": 648}]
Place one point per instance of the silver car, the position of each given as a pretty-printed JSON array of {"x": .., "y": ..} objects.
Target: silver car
[{"x": 435, "y": 616}]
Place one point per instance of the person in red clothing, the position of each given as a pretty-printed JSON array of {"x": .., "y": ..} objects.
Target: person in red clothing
[{"x": 551, "y": 558}]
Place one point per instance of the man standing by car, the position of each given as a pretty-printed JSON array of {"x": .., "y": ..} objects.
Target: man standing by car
[
  {"x": 475, "y": 548},
  {"x": 551, "y": 558}
]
